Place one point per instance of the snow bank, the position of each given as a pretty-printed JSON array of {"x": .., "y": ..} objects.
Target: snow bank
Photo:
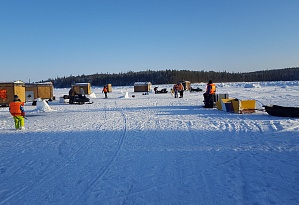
[
  {"x": 92, "y": 95},
  {"x": 42, "y": 106},
  {"x": 252, "y": 85}
]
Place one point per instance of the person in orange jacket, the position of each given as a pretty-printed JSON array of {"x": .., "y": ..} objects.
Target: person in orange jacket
[
  {"x": 105, "y": 91},
  {"x": 16, "y": 109},
  {"x": 209, "y": 95}
]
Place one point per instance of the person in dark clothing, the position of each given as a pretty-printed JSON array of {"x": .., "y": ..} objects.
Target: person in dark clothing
[
  {"x": 209, "y": 95},
  {"x": 181, "y": 90},
  {"x": 105, "y": 91},
  {"x": 72, "y": 94}
]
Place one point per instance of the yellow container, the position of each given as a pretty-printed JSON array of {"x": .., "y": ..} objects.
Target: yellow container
[{"x": 236, "y": 106}]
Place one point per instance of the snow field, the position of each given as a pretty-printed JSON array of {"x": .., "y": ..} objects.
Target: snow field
[{"x": 152, "y": 149}]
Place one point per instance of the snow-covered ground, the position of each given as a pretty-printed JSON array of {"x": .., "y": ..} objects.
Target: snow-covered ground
[{"x": 153, "y": 149}]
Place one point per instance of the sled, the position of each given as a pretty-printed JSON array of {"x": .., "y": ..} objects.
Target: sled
[
  {"x": 281, "y": 111},
  {"x": 195, "y": 89},
  {"x": 236, "y": 106}
]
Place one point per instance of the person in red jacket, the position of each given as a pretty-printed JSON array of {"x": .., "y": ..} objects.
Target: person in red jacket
[
  {"x": 176, "y": 90},
  {"x": 16, "y": 109},
  {"x": 209, "y": 95}
]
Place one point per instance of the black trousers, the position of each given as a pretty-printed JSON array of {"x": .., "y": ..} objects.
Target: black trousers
[{"x": 209, "y": 100}]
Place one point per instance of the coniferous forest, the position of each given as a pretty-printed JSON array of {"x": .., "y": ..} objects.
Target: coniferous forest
[{"x": 173, "y": 76}]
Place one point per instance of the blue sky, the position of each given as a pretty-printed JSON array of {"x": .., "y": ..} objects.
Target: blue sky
[{"x": 43, "y": 39}]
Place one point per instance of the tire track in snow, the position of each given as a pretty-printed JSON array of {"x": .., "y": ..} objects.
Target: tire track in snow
[
  {"x": 292, "y": 128},
  {"x": 83, "y": 197},
  {"x": 241, "y": 124},
  {"x": 49, "y": 174},
  {"x": 57, "y": 168},
  {"x": 184, "y": 125},
  {"x": 276, "y": 126}
]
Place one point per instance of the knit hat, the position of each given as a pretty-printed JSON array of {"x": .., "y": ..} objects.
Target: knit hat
[
  {"x": 210, "y": 82},
  {"x": 16, "y": 98}
]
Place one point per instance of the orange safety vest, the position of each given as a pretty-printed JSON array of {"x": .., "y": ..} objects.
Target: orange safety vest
[
  {"x": 105, "y": 90},
  {"x": 212, "y": 88},
  {"x": 181, "y": 87},
  {"x": 15, "y": 108}
]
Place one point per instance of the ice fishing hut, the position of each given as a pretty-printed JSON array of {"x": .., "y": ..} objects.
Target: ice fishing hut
[
  {"x": 85, "y": 86},
  {"x": 186, "y": 84},
  {"x": 109, "y": 88},
  {"x": 9, "y": 89},
  {"x": 39, "y": 90},
  {"x": 142, "y": 86}
]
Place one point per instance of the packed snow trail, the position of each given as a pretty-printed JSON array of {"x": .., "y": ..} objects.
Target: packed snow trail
[
  {"x": 82, "y": 198},
  {"x": 151, "y": 149}
]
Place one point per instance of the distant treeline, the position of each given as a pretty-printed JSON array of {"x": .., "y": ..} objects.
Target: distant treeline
[{"x": 173, "y": 76}]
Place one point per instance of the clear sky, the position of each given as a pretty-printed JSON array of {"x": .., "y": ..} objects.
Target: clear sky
[{"x": 41, "y": 39}]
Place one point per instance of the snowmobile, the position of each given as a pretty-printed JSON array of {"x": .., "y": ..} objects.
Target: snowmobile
[{"x": 79, "y": 99}]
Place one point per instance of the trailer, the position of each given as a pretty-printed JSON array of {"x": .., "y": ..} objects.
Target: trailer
[
  {"x": 43, "y": 91},
  {"x": 142, "y": 86},
  {"x": 9, "y": 89}
]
